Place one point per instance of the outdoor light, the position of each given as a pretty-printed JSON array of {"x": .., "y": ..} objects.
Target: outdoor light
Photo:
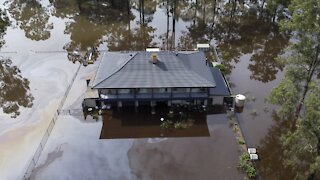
[{"x": 161, "y": 119}]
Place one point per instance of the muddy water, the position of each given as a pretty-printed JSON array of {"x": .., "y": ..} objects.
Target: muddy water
[
  {"x": 142, "y": 124},
  {"x": 214, "y": 157},
  {"x": 248, "y": 44}
]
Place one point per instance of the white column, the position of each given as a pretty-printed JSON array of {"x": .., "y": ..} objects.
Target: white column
[
  {"x": 119, "y": 104},
  {"x": 152, "y": 104}
]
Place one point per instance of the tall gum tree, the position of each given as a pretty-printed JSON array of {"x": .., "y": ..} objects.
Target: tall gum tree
[
  {"x": 303, "y": 145},
  {"x": 298, "y": 93},
  {"x": 304, "y": 62}
]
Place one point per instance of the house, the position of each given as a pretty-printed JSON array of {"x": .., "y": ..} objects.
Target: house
[{"x": 150, "y": 78}]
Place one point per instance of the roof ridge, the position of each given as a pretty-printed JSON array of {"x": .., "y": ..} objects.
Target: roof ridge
[
  {"x": 95, "y": 74},
  {"x": 115, "y": 71}
]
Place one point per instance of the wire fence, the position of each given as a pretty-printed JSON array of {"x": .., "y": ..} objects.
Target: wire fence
[
  {"x": 72, "y": 112},
  {"x": 8, "y": 52},
  {"x": 57, "y": 51},
  {"x": 47, "y": 134}
]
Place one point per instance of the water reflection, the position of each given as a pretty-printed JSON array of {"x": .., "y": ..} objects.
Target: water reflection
[
  {"x": 143, "y": 124},
  {"x": 265, "y": 66},
  {"x": 64, "y": 9},
  {"x": 86, "y": 28},
  {"x": 4, "y": 22},
  {"x": 127, "y": 25},
  {"x": 14, "y": 89},
  {"x": 249, "y": 33},
  {"x": 123, "y": 37},
  {"x": 202, "y": 19},
  {"x": 95, "y": 22},
  {"x": 271, "y": 152},
  {"x": 31, "y": 17}
]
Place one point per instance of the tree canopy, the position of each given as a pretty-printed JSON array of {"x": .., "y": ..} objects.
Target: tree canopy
[{"x": 299, "y": 92}]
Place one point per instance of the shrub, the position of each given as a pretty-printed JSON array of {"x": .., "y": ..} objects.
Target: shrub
[
  {"x": 246, "y": 165},
  {"x": 235, "y": 129},
  {"x": 166, "y": 124},
  {"x": 222, "y": 68},
  {"x": 254, "y": 112},
  {"x": 241, "y": 141},
  {"x": 178, "y": 125}
]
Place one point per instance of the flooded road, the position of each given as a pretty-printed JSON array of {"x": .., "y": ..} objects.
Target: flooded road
[{"x": 52, "y": 31}]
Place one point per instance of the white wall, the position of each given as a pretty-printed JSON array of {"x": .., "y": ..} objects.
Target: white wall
[{"x": 217, "y": 100}]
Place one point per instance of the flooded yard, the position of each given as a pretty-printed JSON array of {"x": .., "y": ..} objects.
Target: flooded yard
[
  {"x": 143, "y": 124},
  {"x": 46, "y": 40}
]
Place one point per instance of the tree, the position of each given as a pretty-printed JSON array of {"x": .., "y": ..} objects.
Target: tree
[
  {"x": 304, "y": 62},
  {"x": 299, "y": 92},
  {"x": 303, "y": 145}
]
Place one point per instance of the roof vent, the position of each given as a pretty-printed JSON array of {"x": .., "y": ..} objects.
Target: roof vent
[{"x": 154, "y": 58}]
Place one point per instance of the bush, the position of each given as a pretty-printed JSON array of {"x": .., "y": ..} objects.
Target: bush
[
  {"x": 247, "y": 166},
  {"x": 241, "y": 141},
  {"x": 166, "y": 124},
  {"x": 178, "y": 125},
  {"x": 235, "y": 129},
  {"x": 222, "y": 68},
  {"x": 254, "y": 112}
]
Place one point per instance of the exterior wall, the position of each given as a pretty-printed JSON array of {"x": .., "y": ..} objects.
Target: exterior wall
[
  {"x": 90, "y": 103},
  {"x": 181, "y": 102},
  {"x": 217, "y": 100}
]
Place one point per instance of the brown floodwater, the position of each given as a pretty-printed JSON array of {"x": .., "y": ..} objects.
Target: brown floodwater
[
  {"x": 129, "y": 123},
  {"x": 213, "y": 157},
  {"x": 247, "y": 40}
]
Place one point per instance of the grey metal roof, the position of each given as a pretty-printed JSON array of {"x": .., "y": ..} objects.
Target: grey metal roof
[
  {"x": 205, "y": 70},
  {"x": 111, "y": 63},
  {"x": 120, "y": 70},
  {"x": 221, "y": 89},
  {"x": 197, "y": 62}
]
